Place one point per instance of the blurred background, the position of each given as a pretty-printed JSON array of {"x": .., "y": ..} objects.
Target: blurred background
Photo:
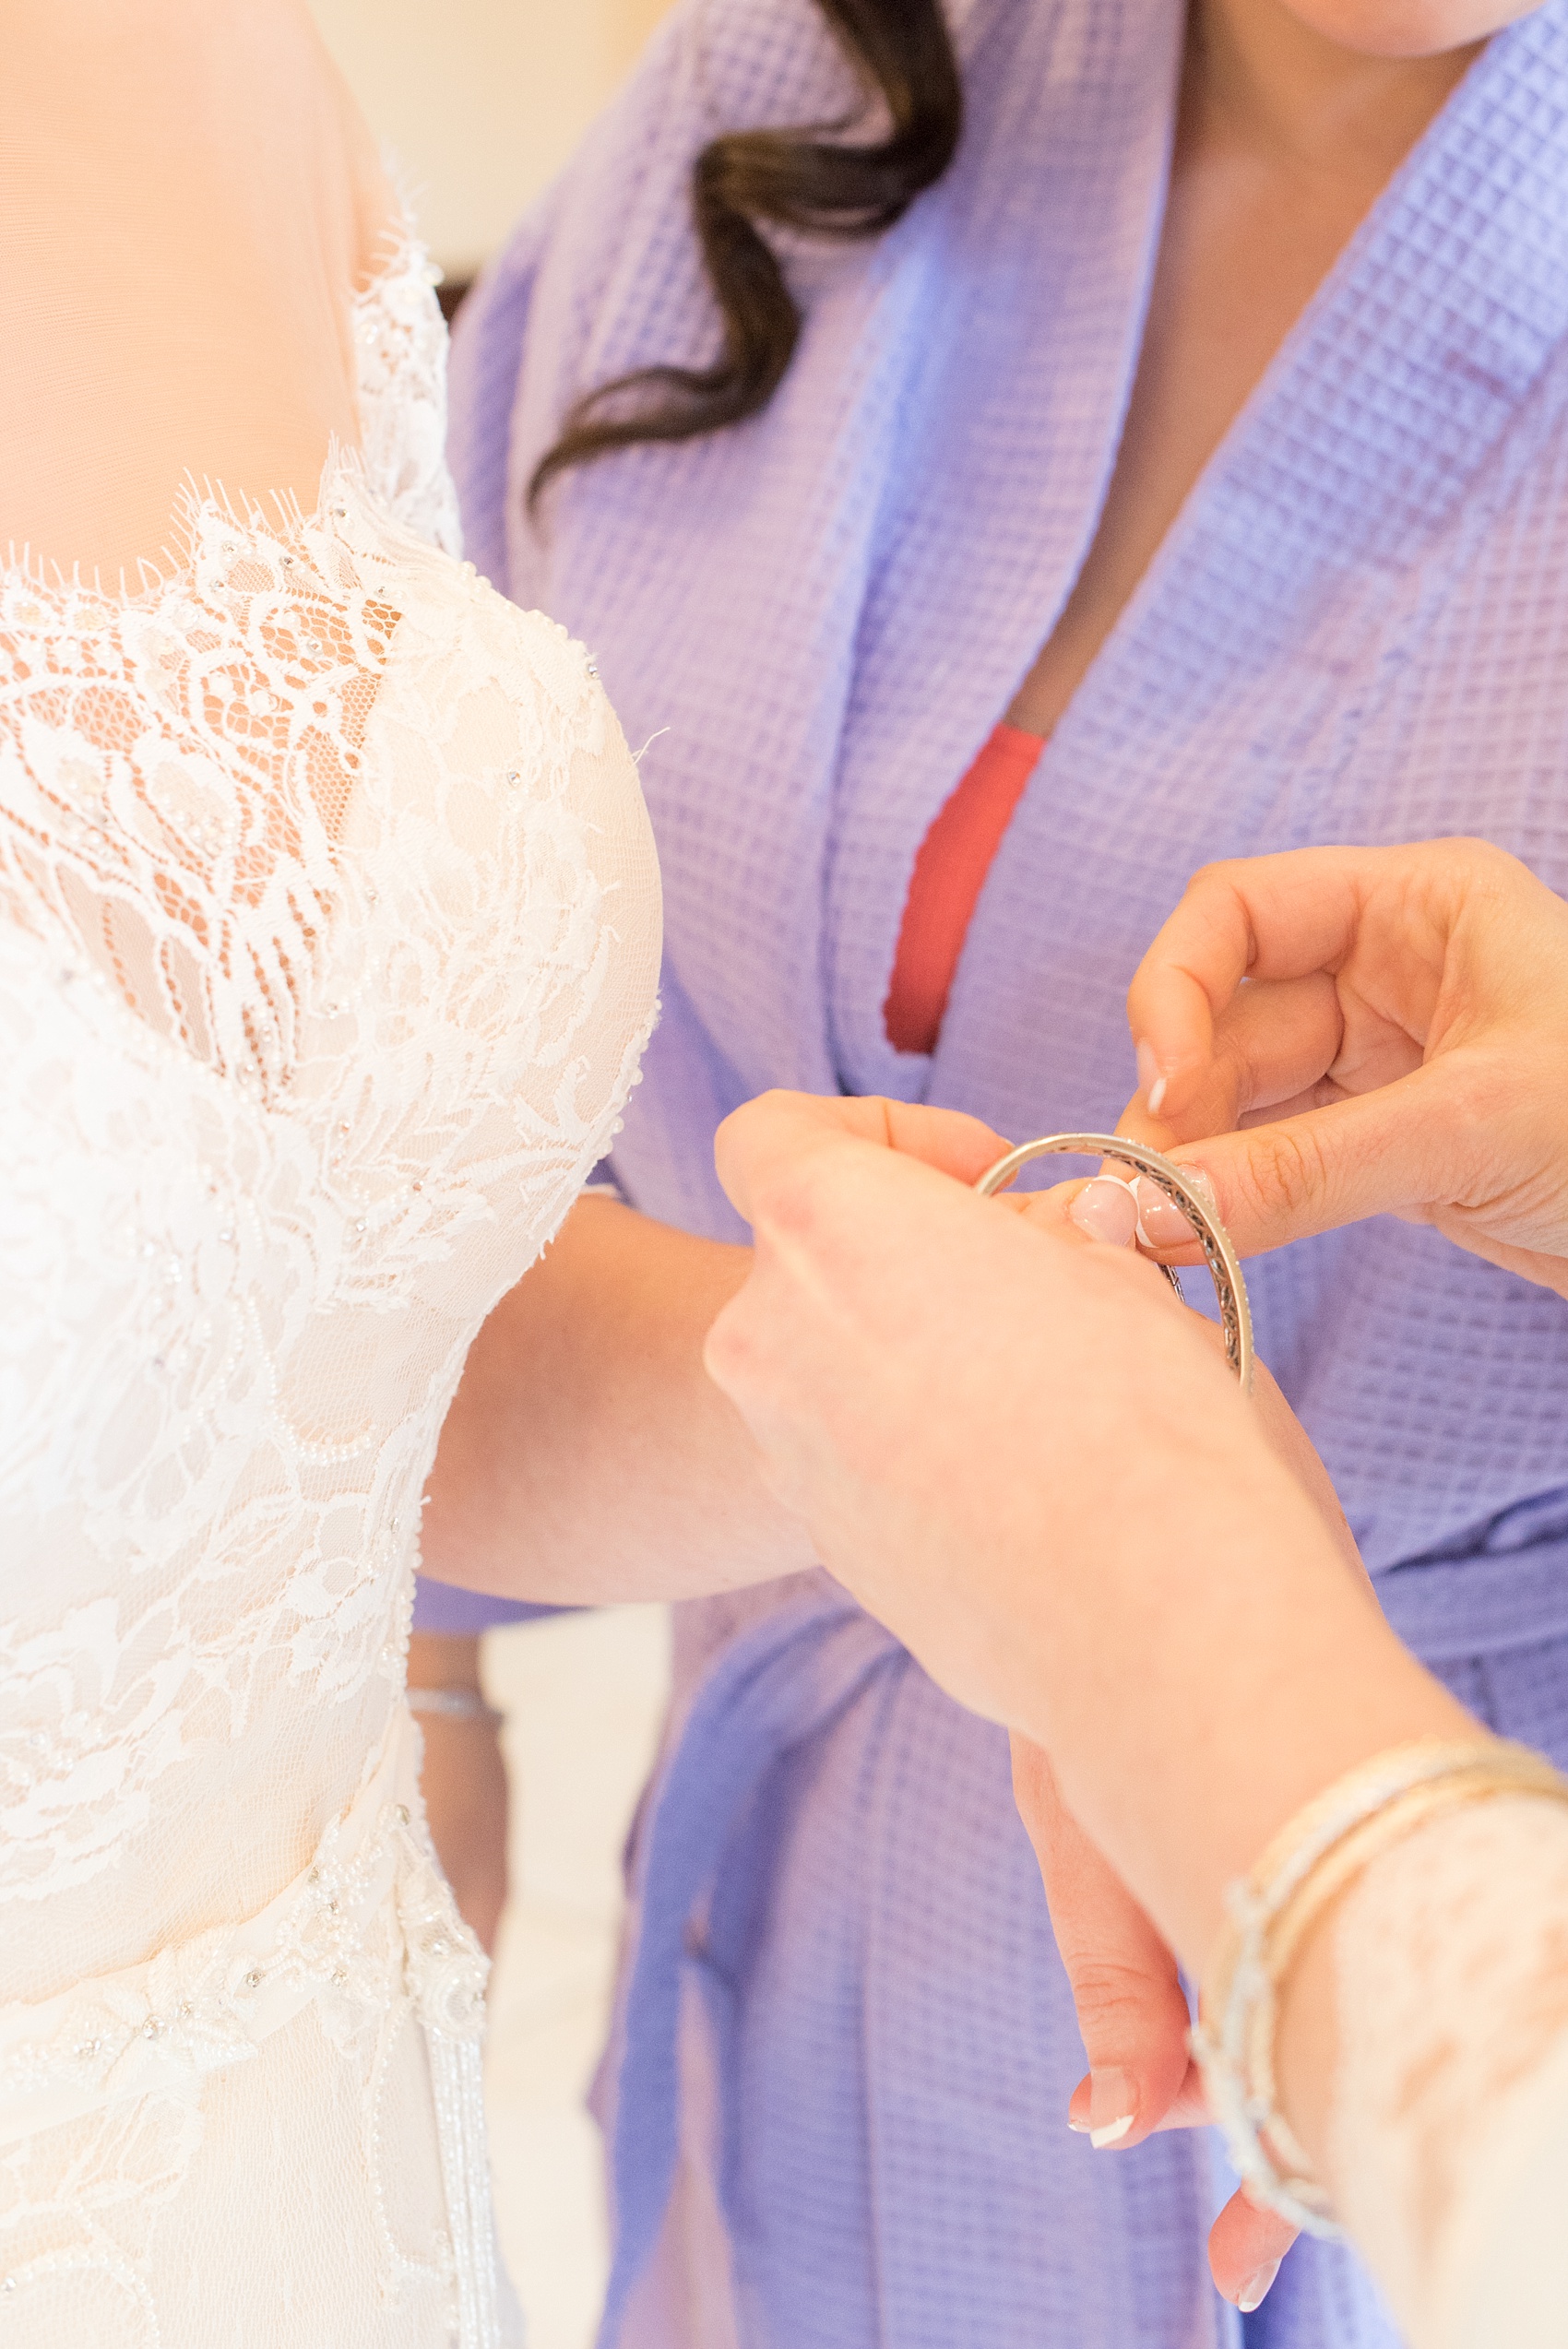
[
  {"x": 482, "y": 102},
  {"x": 584, "y": 1696}
]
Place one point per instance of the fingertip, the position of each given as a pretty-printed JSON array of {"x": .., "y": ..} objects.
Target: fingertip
[
  {"x": 1114, "y": 2107},
  {"x": 1246, "y": 2245},
  {"x": 1203, "y": 1183},
  {"x": 1161, "y": 1223},
  {"x": 1105, "y": 1209},
  {"x": 1154, "y": 1083},
  {"x": 1256, "y": 2290}
]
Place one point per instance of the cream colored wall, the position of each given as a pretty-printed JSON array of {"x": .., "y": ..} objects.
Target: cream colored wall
[{"x": 483, "y": 100}]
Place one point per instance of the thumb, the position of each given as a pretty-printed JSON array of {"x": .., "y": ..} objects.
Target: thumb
[
  {"x": 1403, "y": 1149},
  {"x": 761, "y": 1148}
]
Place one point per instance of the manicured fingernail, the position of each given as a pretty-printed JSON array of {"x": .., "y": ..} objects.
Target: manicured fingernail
[
  {"x": 1104, "y": 1209},
  {"x": 1204, "y": 1187},
  {"x": 1255, "y": 2289},
  {"x": 1161, "y": 1223},
  {"x": 1113, "y": 2105},
  {"x": 1151, "y": 1082},
  {"x": 1078, "y": 2128}
]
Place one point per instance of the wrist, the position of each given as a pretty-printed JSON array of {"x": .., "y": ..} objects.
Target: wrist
[
  {"x": 1241, "y": 1689},
  {"x": 444, "y": 1683},
  {"x": 444, "y": 1660},
  {"x": 1266, "y": 2038}
]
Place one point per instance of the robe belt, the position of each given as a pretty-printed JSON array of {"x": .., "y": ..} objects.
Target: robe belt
[
  {"x": 367, "y": 1925},
  {"x": 776, "y": 1686}
]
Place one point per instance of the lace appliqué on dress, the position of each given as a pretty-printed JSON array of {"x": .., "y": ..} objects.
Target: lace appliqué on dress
[
  {"x": 181, "y": 762},
  {"x": 328, "y": 940},
  {"x": 365, "y": 1937},
  {"x": 181, "y": 766}
]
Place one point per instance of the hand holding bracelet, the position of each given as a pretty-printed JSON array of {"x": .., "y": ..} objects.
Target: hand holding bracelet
[{"x": 1224, "y": 1264}]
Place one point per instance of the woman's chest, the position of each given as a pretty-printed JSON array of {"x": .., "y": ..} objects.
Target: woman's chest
[{"x": 1245, "y": 241}]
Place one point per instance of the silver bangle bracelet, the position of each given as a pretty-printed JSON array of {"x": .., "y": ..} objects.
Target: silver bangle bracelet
[
  {"x": 1224, "y": 1264},
  {"x": 454, "y": 1705}
]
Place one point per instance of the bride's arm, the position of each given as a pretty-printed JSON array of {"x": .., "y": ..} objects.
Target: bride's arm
[{"x": 587, "y": 1456}]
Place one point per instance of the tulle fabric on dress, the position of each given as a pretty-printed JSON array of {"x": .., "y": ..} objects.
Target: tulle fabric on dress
[{"x": 328, "y": 942}]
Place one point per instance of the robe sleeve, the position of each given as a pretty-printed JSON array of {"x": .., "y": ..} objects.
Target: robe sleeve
[{"x": 456, "y": 1614}]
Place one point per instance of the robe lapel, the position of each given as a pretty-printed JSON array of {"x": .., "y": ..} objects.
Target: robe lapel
[
  {"x": 1225, "y": 711},
  {"x": 1033, "y": 271},
  {"x": 830, "y": 630}
]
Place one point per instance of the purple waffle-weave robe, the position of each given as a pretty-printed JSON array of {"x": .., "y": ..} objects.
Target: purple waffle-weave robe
[{"x": 1355, "y": 631}]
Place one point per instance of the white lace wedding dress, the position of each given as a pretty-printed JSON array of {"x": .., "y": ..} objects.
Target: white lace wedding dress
[{"x": 328, "y": 942}]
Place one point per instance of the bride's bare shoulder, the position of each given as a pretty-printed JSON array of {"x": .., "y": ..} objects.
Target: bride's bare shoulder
[{"x": 191, "y": 200}]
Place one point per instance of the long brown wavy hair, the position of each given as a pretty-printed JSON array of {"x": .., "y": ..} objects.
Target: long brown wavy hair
[{"x": 807, "y": 178}]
